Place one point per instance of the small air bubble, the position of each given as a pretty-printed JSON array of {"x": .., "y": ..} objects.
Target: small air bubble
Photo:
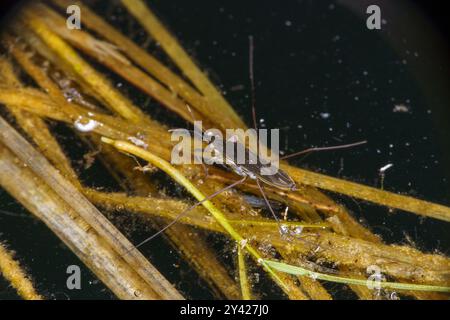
[
  {"x": 85, "y": 127},
  {"x": 298, "y": 230},
  {"x": 284, "y": 229},
  {"x": 401, "y": 108}
]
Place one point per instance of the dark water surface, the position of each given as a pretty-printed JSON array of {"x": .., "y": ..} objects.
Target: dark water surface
[{"x": 324, "y": 79}]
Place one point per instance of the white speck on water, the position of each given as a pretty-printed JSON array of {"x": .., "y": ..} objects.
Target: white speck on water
[
  {"x": 331, "y": 6},
  {"x": 288, "y": 23},
  {"x": 325, "y": 115},
  {"x": 85, "y": 127},
  {"x": 401, "y": 108},
  {"x": 365, "y": 73},
  {"x": 356, "y": 98},
  {"x": 386, "y": 167}
]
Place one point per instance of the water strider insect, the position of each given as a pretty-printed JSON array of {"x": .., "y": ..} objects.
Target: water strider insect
[{"x": 248, "y": 170}]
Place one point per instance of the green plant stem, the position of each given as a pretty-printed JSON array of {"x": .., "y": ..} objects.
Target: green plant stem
[
  {"x": 296, "y": 270},
  {"x": 243, "y": 280}
]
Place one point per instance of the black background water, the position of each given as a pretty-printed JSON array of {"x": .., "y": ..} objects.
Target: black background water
[{"x": 324, "y": 79}]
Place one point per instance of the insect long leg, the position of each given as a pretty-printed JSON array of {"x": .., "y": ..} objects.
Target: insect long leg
[
  {"x": 343, "y": 146},
  {"x": 282, "y": 232},
  {"x": 193, "y": 122},
  {"x": 252, "y": 81},
  {"x": 269, "y": 206},
  {"x": 182, "y": 214}
]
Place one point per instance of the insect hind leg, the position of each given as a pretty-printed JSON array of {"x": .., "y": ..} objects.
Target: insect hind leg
[
  {"x": 280, "y": 227},
  {"x": 183, "y": 213}
]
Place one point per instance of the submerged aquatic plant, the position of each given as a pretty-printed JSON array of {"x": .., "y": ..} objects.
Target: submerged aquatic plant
[{"x": 106, "y": 120}]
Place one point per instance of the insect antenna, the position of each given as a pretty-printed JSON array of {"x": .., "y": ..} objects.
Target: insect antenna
[
  {"x": 343, "y": 146},
  {"x": 193, "y": 121},
  {"x": 255, "y": 123},
  {"x": 182, "y": 214},
  {"x": 252, "y": 82}
]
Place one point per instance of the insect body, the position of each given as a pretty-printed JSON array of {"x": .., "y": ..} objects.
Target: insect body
[
  {"x": 253, "y": 166},
  {"x": 252, "y": 169}
]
